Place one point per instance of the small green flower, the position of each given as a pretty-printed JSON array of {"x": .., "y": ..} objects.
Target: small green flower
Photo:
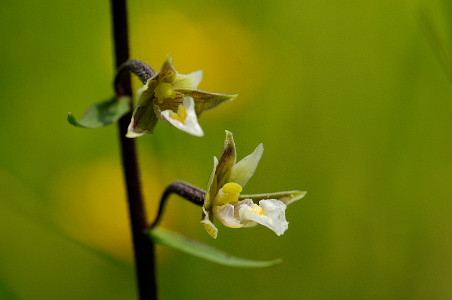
[
  {"x": 174, "y": 99},
  {"x": 223, "y": 199}
]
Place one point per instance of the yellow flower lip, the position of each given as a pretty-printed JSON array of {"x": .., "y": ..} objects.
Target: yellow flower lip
[
  {"x": 232, "y": 188},
  {"x": 181, "y": 114},
  {"x": 256, "y": 209},
  {"x": 164, "y": 90},
  {"x": 229, "y": 193}
]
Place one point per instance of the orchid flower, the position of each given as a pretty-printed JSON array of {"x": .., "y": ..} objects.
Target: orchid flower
[
  {"x": 223, "y": 199},
  {"x": 174, "y": 99}
]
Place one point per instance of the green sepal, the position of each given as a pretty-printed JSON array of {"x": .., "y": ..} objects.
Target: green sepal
[
  {"x": 284, "y": 197},
  {"x": 205, "y": 100},
  {"x": 211, "y": 186},
  {"x": 227, "y": 158},
  {"x": 196, "y": 248},
  {"x": 103, "y": 113}
]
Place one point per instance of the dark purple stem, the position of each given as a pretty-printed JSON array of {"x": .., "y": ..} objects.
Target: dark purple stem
[
  {"x": 185, "y": 190},
  {"x": 142, "y": 245},
  {"x": 137, "y": 67}
]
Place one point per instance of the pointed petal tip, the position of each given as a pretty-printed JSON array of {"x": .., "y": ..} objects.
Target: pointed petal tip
[
  {"x": 260, "y": 147},
  {"x": 228, "y": 98},
  {"x": 299, "y": 194},
  {"x": 167, "y": 64},
  {"x": 197, "y": 133},
  {"x": 229, "y": 140},
  {"x": 132, "y": 135},
  {"x": 295, "y": 196},
  {"x": 198, "y": 73}
]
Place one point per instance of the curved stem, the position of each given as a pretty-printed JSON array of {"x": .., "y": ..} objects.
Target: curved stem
[
  {"x": 137, "y": 67},
  {"x": 187, "y": 191},
  {"x": 143, "y": 246}
]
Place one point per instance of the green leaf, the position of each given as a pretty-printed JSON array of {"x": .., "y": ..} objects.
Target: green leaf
[
  {"x": 195, "y": 248},
  {"x": 102, "y": 113}
]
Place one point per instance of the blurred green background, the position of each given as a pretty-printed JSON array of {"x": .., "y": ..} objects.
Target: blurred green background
[{"x": 347, "y": 96}]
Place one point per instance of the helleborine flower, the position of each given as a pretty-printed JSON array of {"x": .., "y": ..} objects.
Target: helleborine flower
[
  {"x": 174, "y": 99},
  {"x": 223, "y": 199}
]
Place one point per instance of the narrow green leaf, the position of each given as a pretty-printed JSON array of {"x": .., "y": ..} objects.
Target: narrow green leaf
[
  {"x": 102, "y": 113},
  {"x": 195, "y": 248}
]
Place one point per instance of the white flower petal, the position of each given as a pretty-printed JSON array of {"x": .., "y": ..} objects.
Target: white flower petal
[
  {"x": 226, "y": 215},
  {"x": 242, "y": 171},
  {"x": 187, "y": 82},
  {"x": 238, "y": 206},
  {"x": 273, "y": 215},
  {"x": 190, "y": 124}
]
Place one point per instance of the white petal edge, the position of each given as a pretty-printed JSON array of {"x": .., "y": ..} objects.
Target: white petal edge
[
  {"x": 191, "y": 125},
  {"x": 131, "y": 134},
  {"x": 273, "y": 215},
  {"x": 242, "y": 171},
  {"x": 225, "y": 214},
  {"x": 187, "y": 82}
]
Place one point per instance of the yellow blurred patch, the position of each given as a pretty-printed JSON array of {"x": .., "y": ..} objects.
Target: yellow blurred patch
[
  {"x": 229, "y": 54},
  {"x": 90, "y": 205}
]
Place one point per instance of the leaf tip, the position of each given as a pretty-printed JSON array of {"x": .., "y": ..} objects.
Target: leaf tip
[{"x": 72, "y": 120}]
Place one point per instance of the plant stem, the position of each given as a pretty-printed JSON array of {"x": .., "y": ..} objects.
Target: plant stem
[
  {"x": 187, "y": 191},
  {"x": 139, "y": 68},
  {"x": 142, "y": 245}
]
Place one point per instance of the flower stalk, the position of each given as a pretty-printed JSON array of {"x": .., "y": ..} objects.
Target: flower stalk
[
  {"x": 135, "y": 66},
  {"x": 143, "y": 246},
  {"x": 187, "y": 191}
]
